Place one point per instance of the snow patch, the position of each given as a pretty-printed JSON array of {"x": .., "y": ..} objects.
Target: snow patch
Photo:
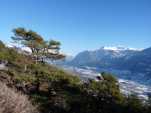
[{"x": 119, "y": 48}]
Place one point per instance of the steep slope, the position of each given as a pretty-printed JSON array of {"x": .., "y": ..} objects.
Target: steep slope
[{"x": 140, "y": 62}]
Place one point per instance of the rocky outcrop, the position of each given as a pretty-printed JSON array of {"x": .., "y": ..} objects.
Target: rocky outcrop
[{"x": 3, "y": 65}]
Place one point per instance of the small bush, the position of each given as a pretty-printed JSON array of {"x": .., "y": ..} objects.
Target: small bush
[{"x": 13, "y": 102}]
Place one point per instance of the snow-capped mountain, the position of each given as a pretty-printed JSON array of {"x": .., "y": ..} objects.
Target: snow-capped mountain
[
  {"x": 126, "y": 63},
  {"x": 119, "y": 48},
  {"x": 105, "y": 56}
]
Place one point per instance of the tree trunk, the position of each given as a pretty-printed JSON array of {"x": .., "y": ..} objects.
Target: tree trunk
[{"x": 25, "y": 68}]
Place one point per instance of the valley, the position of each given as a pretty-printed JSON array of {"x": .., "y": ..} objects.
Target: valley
[
  {"x": 128, "y": 85},
  {"x": 130, "y": 66}
]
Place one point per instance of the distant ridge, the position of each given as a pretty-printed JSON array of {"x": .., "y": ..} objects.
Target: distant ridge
[
  {"x": 119, "y": 48},
  {"x": 117, "y": 60}
]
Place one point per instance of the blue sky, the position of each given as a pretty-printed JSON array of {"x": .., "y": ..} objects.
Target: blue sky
[{"x": 80, "y": 24}]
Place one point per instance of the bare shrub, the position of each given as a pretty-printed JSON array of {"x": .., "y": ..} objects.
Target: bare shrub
[{"x": 14, "y": 102}]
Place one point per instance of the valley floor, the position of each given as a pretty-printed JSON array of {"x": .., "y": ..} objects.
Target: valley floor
[{"x": 127, "y": 86}]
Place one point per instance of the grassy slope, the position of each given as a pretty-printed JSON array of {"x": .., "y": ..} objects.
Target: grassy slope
[{"x": 49, "y": 80}]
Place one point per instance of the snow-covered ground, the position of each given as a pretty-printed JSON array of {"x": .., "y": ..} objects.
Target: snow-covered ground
[
  {"x": 126, "y": 86},
  {"x": 130, "y": 87}
]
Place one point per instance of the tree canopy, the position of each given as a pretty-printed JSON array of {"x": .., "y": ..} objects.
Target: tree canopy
[{"x": 40, "y": 48}]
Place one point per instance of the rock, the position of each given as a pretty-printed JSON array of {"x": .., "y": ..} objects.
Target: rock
[
  {"x": 99, "y": 78},
  {"x": 3, "y": 65},
  {"x": 52, "y": 92},
  {"x": 44, "y": 87},
  {"x": 27, "y": 87},
  {"x": 21, "y": 87},
  {"x": 32, "y": 88}
]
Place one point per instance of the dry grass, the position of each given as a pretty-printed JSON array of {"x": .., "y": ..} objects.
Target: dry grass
[{"x": 14, "y": 102}]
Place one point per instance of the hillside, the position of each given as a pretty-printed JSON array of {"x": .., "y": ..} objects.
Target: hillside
[{"x": 52, "y": 90}]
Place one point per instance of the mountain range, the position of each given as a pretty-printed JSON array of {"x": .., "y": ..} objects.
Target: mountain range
[{"x": 129, "y": 63}]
